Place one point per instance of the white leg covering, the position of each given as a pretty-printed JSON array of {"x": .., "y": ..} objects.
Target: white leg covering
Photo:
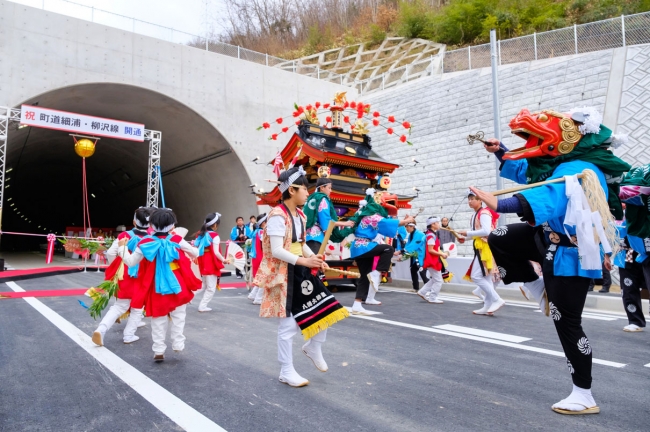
[
  {"x": 211, "y": 286},
  {"x": 132, "y": 324},
  {"x": 259, "y": 296},
  {"x": 114, "y": 312},
  {"x": 426, "y": 289},
  {"x": 436, "y": 285},
  {"x": 251, "y": 295},
  {"x": 178, "y": 324},
  {"x": 485, "y": 283},
  {"x": 158, "y": 334},
  {"x": 287, "y": 329}
]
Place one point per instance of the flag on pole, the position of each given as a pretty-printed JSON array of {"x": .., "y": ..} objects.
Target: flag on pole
[{"x": 278, "y": 163}]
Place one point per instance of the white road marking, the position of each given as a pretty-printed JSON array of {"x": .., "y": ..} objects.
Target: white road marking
[
  {"x": 483, "y": 333},
  {"x": 598, "y": 317},
  {"x": 368, "y": 312},
  {"x": 647, "y": 365},
  {"x": 178, "y": 411},
  {"x": 482, "y": 339}
]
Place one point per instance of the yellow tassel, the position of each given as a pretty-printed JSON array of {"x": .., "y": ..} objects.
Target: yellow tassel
[
  {"x": 324, "y": 323},
  {"x": 449, "y": 278},
  {"x": 124, "y": 316},
  {"x": 120, "y": 272}
]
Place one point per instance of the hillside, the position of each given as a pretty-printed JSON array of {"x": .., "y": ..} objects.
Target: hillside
[{"x": 289, "y": 29}]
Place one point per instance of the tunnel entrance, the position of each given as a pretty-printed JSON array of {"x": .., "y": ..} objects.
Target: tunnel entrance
[{"x": 43, "y": 182}]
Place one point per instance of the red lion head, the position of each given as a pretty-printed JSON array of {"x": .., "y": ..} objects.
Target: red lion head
[
  {"x": 387, "y": 201},
  {"x": 547, "y": 133}
]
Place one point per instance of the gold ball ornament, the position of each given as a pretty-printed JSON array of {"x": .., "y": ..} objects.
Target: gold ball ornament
[{"x": 84, "y": 148}]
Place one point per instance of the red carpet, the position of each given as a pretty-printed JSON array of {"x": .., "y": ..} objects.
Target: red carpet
[
  {"x": 81, "y": 291},
  {"x": 14, "y": 275}
]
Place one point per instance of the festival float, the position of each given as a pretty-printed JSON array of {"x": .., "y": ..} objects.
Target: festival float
[{"x": 338, "y": 148}]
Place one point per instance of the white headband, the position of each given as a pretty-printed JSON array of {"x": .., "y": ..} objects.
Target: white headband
[
  {"x": 411, "y": 224},
  {"x": 214, "y": 221},
  {"x": 432, "y": 220},
  {"x": 164, "y": 229},
  {"x": 259, "y": 222},
  {"x": 292, "y": 178},
  {"x": 137, "y": 221}
]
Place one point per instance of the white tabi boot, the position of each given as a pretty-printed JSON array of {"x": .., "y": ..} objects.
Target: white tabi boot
[
  {"x": 133, "y": 323},
  {"x": 537, "y": 291},
  {"x": 287, "y": 329},
  {"x": 312, "y": 349},
  {"x": 580, "y": 401},
  {"x": 370, "y": 299}
]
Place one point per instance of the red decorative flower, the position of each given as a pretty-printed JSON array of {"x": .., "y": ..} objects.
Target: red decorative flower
[
  {"x": 326, "y": 105},
  {"x": 353, "y": 104},
  {"x": 298, "y": 123},
  {"x": 317, "y": 104},
  {"x": 346, "y": 104},
  {"x": 301, "y": 110},
  {"x": 359, "y": 114},
  {"x": 274, "y": 136},
  {"x": 285, "y": 129},
  {"x": 375, "y": 122},
  {"x": 391, "y": 119},
  {"x": 296, "y": 113},
  {"x": 360, "y": 106},
  {"x": 308, "y": 107},
  {"x": 346, "y": 119},
  {"x": 328, "y": 119},
  {"x": 390, "y": 131},
  {"x": 406, "y": 125},
  {"x": 278, "y": 120},
  {"x": 265, "y": 125},
  {"x": 352, "y": 127},
  {"x": 403, "y": 138},
  {"x": 376, "y": 114}
]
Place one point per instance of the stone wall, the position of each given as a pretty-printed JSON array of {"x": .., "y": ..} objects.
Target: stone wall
[{"x": 445, "y": 109}]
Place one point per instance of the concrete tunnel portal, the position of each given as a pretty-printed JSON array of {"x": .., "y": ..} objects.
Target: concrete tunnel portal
[{"x": 43, "y": 183}]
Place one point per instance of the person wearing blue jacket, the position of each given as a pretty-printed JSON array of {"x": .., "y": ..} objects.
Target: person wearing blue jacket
[
  {"x": 633, "y": 262},
  {"x": 415, "y": 243},
  {"x": 557, "y": 233}
]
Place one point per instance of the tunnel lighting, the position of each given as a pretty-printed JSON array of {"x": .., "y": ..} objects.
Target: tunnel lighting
[
  {"x": 8, "y": 178},
  {"x": 92, "y": 195},
  {"x": 11, "y": 205},
  {"x": 7, "y": 187},
  {"x": 9, "y": 199},
  {"x": 125, "y": 176},
  {"x": 9, "y": 170},
  {"x": 39, "y": 226}
]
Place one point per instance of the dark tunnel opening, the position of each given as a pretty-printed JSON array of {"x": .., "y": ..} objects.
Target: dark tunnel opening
[{"x": 43, "y": 182}]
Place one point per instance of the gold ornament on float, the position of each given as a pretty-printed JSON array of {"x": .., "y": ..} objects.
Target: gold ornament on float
[{"x": 84, "y": 148}]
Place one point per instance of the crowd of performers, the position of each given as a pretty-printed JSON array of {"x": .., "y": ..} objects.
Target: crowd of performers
[{"x": 553, "y": 251}]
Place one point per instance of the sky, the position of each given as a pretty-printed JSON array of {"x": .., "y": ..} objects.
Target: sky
[{"x": 187, "y": 16}]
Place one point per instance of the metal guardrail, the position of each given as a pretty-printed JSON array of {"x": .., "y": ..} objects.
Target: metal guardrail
[{"x": 583, "y": 38}]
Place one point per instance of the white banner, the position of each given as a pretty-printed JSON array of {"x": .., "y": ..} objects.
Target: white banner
[{"x": 80, "y": 123}]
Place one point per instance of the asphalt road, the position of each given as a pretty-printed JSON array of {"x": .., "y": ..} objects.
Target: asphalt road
[{"x": 395, "y": 371}]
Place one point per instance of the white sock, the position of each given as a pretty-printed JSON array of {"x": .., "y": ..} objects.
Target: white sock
[{"x": 578, "y": 400}]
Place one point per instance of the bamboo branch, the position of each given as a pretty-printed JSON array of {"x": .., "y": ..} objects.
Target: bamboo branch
[{"x": 530, "y": 186}]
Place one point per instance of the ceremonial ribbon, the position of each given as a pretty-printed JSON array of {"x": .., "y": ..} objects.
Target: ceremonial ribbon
[
  {"x": 202, "y": 242},
  {"x": 50, "y": 248},
  {"x": 164, "y": 252},
  {"x": 131, "y": 245}
]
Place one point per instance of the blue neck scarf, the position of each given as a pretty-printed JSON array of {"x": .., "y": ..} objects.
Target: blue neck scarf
[
  {"x": 202, "y": 242},
  {"x": 131, "y": 245},
  {"x": 164, "y": 252}
]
